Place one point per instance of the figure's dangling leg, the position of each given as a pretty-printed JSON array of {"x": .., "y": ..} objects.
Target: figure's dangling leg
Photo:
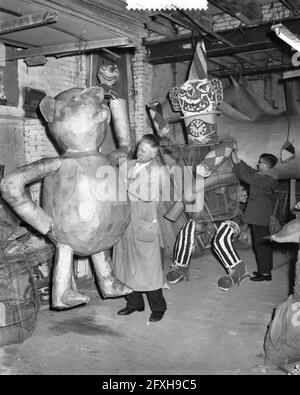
[
  {"x": 227, "y": 254},
  {"x": 183, "y": 248},
  {"x": 64, "y": 293},
  {"x": 110, "y": 286}
]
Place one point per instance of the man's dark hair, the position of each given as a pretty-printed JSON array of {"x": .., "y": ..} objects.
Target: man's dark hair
[
  {"x": 270, "y": 159},
  {"x": 151, "y": 139}
]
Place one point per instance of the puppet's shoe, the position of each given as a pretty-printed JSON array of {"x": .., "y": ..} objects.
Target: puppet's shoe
[
  {"x": 70, "y": 299},
  {"x": 112, "y": 287},
  {"x": 225, "y": 283},
  {"x": 177, "y": 273},
  {"x": 174, "y": 277}
]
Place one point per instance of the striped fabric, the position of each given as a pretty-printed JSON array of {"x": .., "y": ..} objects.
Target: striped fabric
[
  {"x": 223, "y": 246},
  {"x": 198, "y": 69},
  {"x": 160, "y": 124},
  {"x": 184, "y": 245}
]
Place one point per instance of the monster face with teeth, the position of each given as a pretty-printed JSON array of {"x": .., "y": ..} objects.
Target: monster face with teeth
[{"x": 196, "y": 96}]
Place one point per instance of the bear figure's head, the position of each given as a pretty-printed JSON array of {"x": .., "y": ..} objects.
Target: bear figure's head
[{"x": 77, "y": 118}]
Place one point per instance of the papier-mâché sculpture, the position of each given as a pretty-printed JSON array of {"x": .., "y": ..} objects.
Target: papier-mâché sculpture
[{"x": 81, "y": 211}]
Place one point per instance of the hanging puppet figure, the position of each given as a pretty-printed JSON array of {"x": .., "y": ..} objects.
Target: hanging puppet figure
[
  {"x": 108, "y": 75},
  {"x": 224, "y": 248},
  {"x": 183, "y": 249},
  {"x": 82, "y": 211}
]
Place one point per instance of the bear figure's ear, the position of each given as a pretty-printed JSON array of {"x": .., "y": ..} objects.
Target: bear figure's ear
[{"x": 47, "y": 107}]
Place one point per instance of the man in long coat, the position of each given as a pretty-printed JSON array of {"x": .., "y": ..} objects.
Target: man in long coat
[{"x": 137, "y": 256}]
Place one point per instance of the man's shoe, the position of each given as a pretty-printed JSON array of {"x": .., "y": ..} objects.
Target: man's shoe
[
  {"x": 127, "y": 311},
  {"x": 262, "y": 277},
  {"x": 154, "y": 317}
]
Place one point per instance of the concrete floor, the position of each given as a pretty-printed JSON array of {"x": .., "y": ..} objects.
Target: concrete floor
[{"x": 204, "y": 332}]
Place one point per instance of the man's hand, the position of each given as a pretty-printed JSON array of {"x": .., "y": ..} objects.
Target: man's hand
[
  {"x": 119, "y": 154},
  {"x": 235, "y": 158}
]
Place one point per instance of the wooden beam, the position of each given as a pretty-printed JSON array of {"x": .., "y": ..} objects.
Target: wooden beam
[
  {"x": 25, "y": 45},
  {"x": 160, "y": 29},
  {"x": 111, "y": 54},
  {"x": 9, "y": 12},
  {"x": 213, "y": 34},
  {"x": 117, "y": 21},
  {"x": 165, "y": 23},
  {"x": 177, "y": 20},
  {"x": 249, "y": 71},
  {"x": 197, "y": 15},
  {"x": 291, "y": 74},
  {"x": 208, "y": 31},
  {"x": 248, "y": 39},
  {"x": 293, "y": 5},
  {"x": 293, "y": 199},
  {"x": 14, "y": 43},
  {"x": 68, "y": 48},
  {"x": 219, "y": 63},
  {"x": 248, "y": 11},
  {"x": 28, "y": 21}
]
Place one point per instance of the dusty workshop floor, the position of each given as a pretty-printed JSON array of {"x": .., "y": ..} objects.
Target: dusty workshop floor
[{"x": 204, "y": 332}]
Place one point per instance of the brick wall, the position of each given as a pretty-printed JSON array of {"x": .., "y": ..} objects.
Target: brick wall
[
  {"x": 275, "y": 10},
  {"x": 55, "y": 76}
]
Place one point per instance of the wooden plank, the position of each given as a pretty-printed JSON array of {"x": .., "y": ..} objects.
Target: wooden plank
[
  {"x": 292, "y": 194},
  {"x": 250, "y": 39},
  {"x": 291, "y": 74},
  {"x": 293, "y": 5},
  {"x": 208, "y": 31},
  {"x": 28, "y": 21},
  {"x": 160, "y": 29},
  {"x": 177, "y": 20},
  {"x": 117, "y": 22},
  {"x": 236, "y": 71},
  {"x": 68, "y": 48}
]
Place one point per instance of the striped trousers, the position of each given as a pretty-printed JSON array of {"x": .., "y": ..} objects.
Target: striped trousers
[{"x": 223, "y": 245}]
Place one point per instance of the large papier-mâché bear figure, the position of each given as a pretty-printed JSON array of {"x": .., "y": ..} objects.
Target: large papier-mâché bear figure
[{"x": 82, "y": 212}]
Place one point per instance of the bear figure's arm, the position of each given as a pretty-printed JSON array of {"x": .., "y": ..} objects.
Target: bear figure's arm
[{"x": 13, "y": 189}]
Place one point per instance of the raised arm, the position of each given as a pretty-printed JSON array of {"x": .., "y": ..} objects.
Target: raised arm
[
  {"x": 250, "y": 176},
  {"x": 14, "y": 192}
]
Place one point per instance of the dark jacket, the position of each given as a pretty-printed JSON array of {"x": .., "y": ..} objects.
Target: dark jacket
[{"x": 262, "y": 187}]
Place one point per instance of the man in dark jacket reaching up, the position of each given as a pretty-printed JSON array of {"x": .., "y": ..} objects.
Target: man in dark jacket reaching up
[{"x": 262, "y": 186}]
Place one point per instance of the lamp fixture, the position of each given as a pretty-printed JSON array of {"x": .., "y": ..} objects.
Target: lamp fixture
[{"x": 287, "y": 36}]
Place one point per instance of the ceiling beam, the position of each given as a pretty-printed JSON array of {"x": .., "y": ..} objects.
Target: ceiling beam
[
  {"x": 248, "y": 39},
  {"x": 164, "y": 22},
  {"x": 28, "y": 21},
  {"x": 160, "y": 29},
  {"x": 25, "y": 45},
  {"x": 9, "y": 12},
  {"x": 293, "y": 5},
  {"x": 250, "y": 71},
  {"x": 118, "y": 22},
  {"x": 224, "y": 66},
  {"x": 177, "y": 20},
  {"x": 67, "y": 48},
  {"x": 14, "y": 43},
  {"x": 205, "y": 30},
  {"x": 247, "y": 11},
  {"x": 224, "y": 40}
]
